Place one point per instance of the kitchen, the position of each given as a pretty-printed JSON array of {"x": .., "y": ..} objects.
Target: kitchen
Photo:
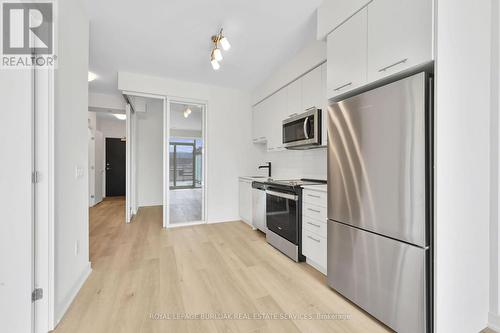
[
  {"x": 377, "y": 212},
  {"x": 334, "y": 168}
]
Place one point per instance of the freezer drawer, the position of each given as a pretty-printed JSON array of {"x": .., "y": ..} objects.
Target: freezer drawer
[{"x": 385, "y": 277}]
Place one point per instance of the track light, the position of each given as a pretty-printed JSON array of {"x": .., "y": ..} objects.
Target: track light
[{"x": 216, "y": 55}]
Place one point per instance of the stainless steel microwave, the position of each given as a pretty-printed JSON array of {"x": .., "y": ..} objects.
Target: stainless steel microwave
[{"x": 303, "y": 131}]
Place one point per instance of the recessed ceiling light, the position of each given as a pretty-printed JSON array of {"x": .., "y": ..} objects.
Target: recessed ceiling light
[
  {"x": 92, "y": 76},
  {"x": 120, "y": 116}
]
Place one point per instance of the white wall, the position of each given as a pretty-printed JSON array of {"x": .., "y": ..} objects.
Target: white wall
[
  {"x": 106, "y": 102},
  {"x": 462, "y": 165},
  {"x": 71, "y": 152},
  {"x": 227, "y": 150},
  {"x": 110, "y": 126},
  {"x": 308, "y": 58},
  {"x": 149, "y": 157},
  {"x": 494, "y": 315},
  {"x": 291, "y": 164}
]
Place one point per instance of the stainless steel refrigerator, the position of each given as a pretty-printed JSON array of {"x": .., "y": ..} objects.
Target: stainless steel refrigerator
[{"x": 380, "y": 202}]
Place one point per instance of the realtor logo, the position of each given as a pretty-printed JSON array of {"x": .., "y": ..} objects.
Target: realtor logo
[
  {"x": 27, "y": 34},
  {"x": 27, "y": 28}
]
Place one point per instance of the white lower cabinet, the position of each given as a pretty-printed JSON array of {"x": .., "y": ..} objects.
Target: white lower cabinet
[
  {"x": 314, "y": 227},
  {"x": 245, "y": 200}
]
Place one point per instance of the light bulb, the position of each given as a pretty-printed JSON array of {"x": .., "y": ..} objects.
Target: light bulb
[
  {"x": 188, "y": 111},
  {"x": 217, "y": 54},
  {"x": 120, "y": 116},
  {"x": 91, "y": 76},
  {"x": 225, "y": 43},
  {"x": 215, "y": 64},
  {"x": 186, "y": 114}
]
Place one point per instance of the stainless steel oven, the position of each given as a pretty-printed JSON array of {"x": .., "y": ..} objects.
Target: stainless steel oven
[{"x": 303, "y": 131}]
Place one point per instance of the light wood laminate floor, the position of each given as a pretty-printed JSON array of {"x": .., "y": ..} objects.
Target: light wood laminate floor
[{"x": 140, "y": 269}]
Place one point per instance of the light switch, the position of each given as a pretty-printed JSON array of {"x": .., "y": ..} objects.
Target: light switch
[{"x": 79, "y": 172}]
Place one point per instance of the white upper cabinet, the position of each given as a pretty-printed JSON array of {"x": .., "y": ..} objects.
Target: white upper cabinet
[
  {"x": 312, "y": 96},
  {"x": 347, "y": 55},
  {"x": 399, "y": 36},
  {"x": 294, "y": 98},
  {"x": 303, "y": 93},
  {"x": 332, "y": 13},
  {"x": 324, "y": 111},
  {"x": 277, "y": 104},
  {"x": 258, "y": 123}
]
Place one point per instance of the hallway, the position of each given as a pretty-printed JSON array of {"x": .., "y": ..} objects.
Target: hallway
[{"x": 224, "y": 269}]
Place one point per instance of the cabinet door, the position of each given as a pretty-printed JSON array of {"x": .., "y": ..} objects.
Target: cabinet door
[
  {"x": 294, "y": 98},
  {"x": 399, "y": 36},
  {"x": 278, "y": 108},
  {"x": 255, "y": 122},
  {"x": 332, "y": 13},
  {"x": 324, "y": 110},
  {"x": 245, "y": 200},
  {"x": 347, "y": 55},
  {"x": 311, "y": 90}
]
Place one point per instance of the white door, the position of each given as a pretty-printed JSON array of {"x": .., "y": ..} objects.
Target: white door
[{"x": 16, "y": 196}]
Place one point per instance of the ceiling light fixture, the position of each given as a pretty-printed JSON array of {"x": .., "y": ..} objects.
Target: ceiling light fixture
[
  {"x": 187, "y": 112},
  {"x": 92, "y": 76},
  {"x": 216, "y": 54},
  {"x": 215, "y": 64},
  {"x": 120, "y": 116}
]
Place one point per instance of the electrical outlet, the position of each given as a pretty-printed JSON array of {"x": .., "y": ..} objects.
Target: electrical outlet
[{"x": 77, "y": 248}]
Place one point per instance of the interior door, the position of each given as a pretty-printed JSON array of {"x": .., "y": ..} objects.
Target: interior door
[
  {"x": 115, "y": 167},
  {"x": 16, "y": 247}
]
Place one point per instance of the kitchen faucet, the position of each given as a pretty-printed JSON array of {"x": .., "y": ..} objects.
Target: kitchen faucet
[{"x": 268, "y": 166}]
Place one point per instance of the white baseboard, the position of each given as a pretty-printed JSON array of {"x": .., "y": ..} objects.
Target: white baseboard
[
  {"x": 233, "y": 219},
  {"x": 494, "y": 322},
  {"x": 64, "y": 305}
]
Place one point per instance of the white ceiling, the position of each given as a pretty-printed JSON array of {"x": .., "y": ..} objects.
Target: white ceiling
[{"x": 171, "y": 38}]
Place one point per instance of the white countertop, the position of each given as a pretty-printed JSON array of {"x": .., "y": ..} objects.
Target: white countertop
[
  {"x": 253, "y": 178},
  {"x": 319, "y": 188}
]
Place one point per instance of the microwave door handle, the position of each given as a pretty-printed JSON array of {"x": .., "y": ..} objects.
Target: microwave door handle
[{"x": 305, "y": 127}]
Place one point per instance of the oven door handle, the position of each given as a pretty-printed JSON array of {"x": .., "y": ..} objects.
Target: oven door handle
[{"x": 283, "y": 195}]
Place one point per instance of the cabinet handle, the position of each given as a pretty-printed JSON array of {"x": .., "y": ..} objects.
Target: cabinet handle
[
  {"x": 313, "y": 210},
  {"x": 343, "y": 86},
  {"x": 394, "y": 64},
  {"x": 313, "y": 196},
  {"x": 314, "y": 239},
  {"x": 314, "y": 224}
]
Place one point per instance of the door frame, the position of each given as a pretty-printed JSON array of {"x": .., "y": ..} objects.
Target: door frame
[
  {"x": 204, "y": 106},
  {"x": 167, "y": 99}
]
